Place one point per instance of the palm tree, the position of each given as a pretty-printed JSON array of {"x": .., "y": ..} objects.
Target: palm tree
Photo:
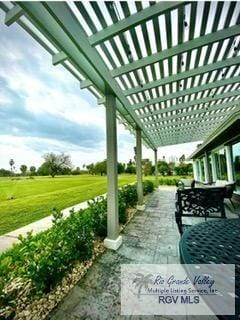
[
  {"x": 11, "y": 163},
  {"x": 142, "y": 281}
]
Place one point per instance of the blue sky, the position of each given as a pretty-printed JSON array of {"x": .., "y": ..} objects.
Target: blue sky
[{"x": 42, "y": 109}]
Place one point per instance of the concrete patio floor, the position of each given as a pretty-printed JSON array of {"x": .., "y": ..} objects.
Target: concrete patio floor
[{"x": 151, "y": 237}]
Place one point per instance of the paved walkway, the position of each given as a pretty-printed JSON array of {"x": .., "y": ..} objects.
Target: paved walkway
[
  {"x": 151, "y": 237},
  {"x": 7, "y": 240}
]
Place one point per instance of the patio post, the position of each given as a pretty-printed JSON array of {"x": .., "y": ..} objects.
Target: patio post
[
  {"x": 200, "y": 171},
  {"x": 113, "y": 240},
  {"x": 229, "y": 159},
  {"x": 195, "y": 171},
  {"x": 156, "y": 166},
  {"x": 206, "y": 168},
  {"x": 140, "y": 205},
  {"x": 214, "y": 167}
]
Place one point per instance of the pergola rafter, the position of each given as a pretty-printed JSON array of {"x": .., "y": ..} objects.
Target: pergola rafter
[
  {"x": 184, "y": 75},
  {"x": 195, "y": 113},
  {"x": 192, "y": 103},
  {"x": 179, "y": 94},
  {"x": 132, "y": 21},
  {"x": 178, "y": 50}
]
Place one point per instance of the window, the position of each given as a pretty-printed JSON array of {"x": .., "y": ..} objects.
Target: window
[
  {"x": 221, "y": 164},
  {"x": 236, "y": 163}
]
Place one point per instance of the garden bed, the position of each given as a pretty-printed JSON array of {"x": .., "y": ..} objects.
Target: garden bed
[{"x": 38, "y": 272}]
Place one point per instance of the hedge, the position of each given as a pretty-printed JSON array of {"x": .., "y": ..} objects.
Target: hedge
[{"x": 45, "y": 258}]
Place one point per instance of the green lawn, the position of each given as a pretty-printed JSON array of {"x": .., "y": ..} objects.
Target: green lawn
[{"x": 34, "y": 199}]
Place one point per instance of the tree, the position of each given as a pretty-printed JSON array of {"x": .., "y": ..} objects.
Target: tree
[
  {"x": 32, "y": 170},
  {"x": 182, "y": 158},
  {"x": 90, "y": 168},
  {"x": 184, "y": 169},
  {"x": 57, "y": 163},
  {"x": 76, "y": 171},
  {"x": 171, "y": 166},
  {"x": 147, "y": 168},
  {"x": 130, "y": 167},
  {"x": 11, "y": 163},
  {"x": 163, "y": 167},
  {"x": 43, "y": 170},
  {"x": 5, "y": 173},
  {"x": 23, "y": 169},
  {"x": 121, "y": 167},
  {"x": 101, "y": 167}
]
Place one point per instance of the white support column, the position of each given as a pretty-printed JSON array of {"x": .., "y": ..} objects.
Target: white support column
[
  {"x": 113, "y": 240},
  {"x": 156, "y": 166},
  {"x": 214, "y": 167},
  {"x": 195, "y": 171},
  {"x": 200, "y": 171},
  {"x": 229, "y": 159},
  {"x": 140, "y": 205},
  {"x": 206, "y": 168}
]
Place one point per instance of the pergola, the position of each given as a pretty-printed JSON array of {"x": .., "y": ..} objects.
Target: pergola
[{"x": 168, "y": 71}]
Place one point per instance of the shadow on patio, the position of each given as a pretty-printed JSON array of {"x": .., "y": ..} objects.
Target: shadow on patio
[{"x": 151, "y": 237}]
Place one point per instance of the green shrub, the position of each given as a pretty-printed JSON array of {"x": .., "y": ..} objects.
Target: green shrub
[
  {"x": 98, "y": 211},
  {"x": 44, "y": 259},
  {"x": 122, "y": 209},
  {"x": 148, "y": 187},
  {"x": 128, "y": 194},
  {"x": 168, "y": 181}
]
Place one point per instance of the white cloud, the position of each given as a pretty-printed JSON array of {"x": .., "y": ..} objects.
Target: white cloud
[{"x": 4, "y": 99}]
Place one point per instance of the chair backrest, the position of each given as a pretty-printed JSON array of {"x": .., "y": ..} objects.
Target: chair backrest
[
  {"x": 186, "y": 183},
  {"x": 229, "y": 188},
  {"x": 200, "y": 202}
]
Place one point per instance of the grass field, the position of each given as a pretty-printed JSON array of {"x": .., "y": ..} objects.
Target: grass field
[{"x": 33, "y": 199}]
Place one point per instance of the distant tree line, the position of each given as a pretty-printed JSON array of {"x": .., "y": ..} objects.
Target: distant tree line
[{"x": 61, "y": 164}]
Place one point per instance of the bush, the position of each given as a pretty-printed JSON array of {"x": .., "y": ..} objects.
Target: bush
[
  {"x": 168, "y": 181},
  {"x": 122, "y": 209},
  {"x": 98, "y": 211},
  {"x": 43, "y": 259},
  {"x": 128, "y": 194},
  {"x": 148, "y": 187}
]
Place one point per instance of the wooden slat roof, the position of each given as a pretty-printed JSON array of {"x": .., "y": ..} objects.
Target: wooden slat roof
[{"x": 173, "y": 66}]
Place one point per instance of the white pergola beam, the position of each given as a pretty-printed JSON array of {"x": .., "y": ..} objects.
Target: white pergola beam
[
  {"x": 200, "y": 112},
  {"x": 177, "y": 50},
  {"x": 187, "y": 123},
  {"x": 13, "y": 15},
  {"x": 196, "y": 102},
  {"x": 86, "y": 84},
  {"x": 133, "y": 20},
  {"x": 178, "y": 94},
  {"x": 184, "y": 75},
  {"x": 59, "y": 58}
]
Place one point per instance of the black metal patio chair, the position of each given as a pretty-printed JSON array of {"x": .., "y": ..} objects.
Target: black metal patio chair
[{"x": 199, "y": 203}]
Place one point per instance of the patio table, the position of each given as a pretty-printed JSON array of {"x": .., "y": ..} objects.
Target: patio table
[{"x": 217, "y": 242}]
